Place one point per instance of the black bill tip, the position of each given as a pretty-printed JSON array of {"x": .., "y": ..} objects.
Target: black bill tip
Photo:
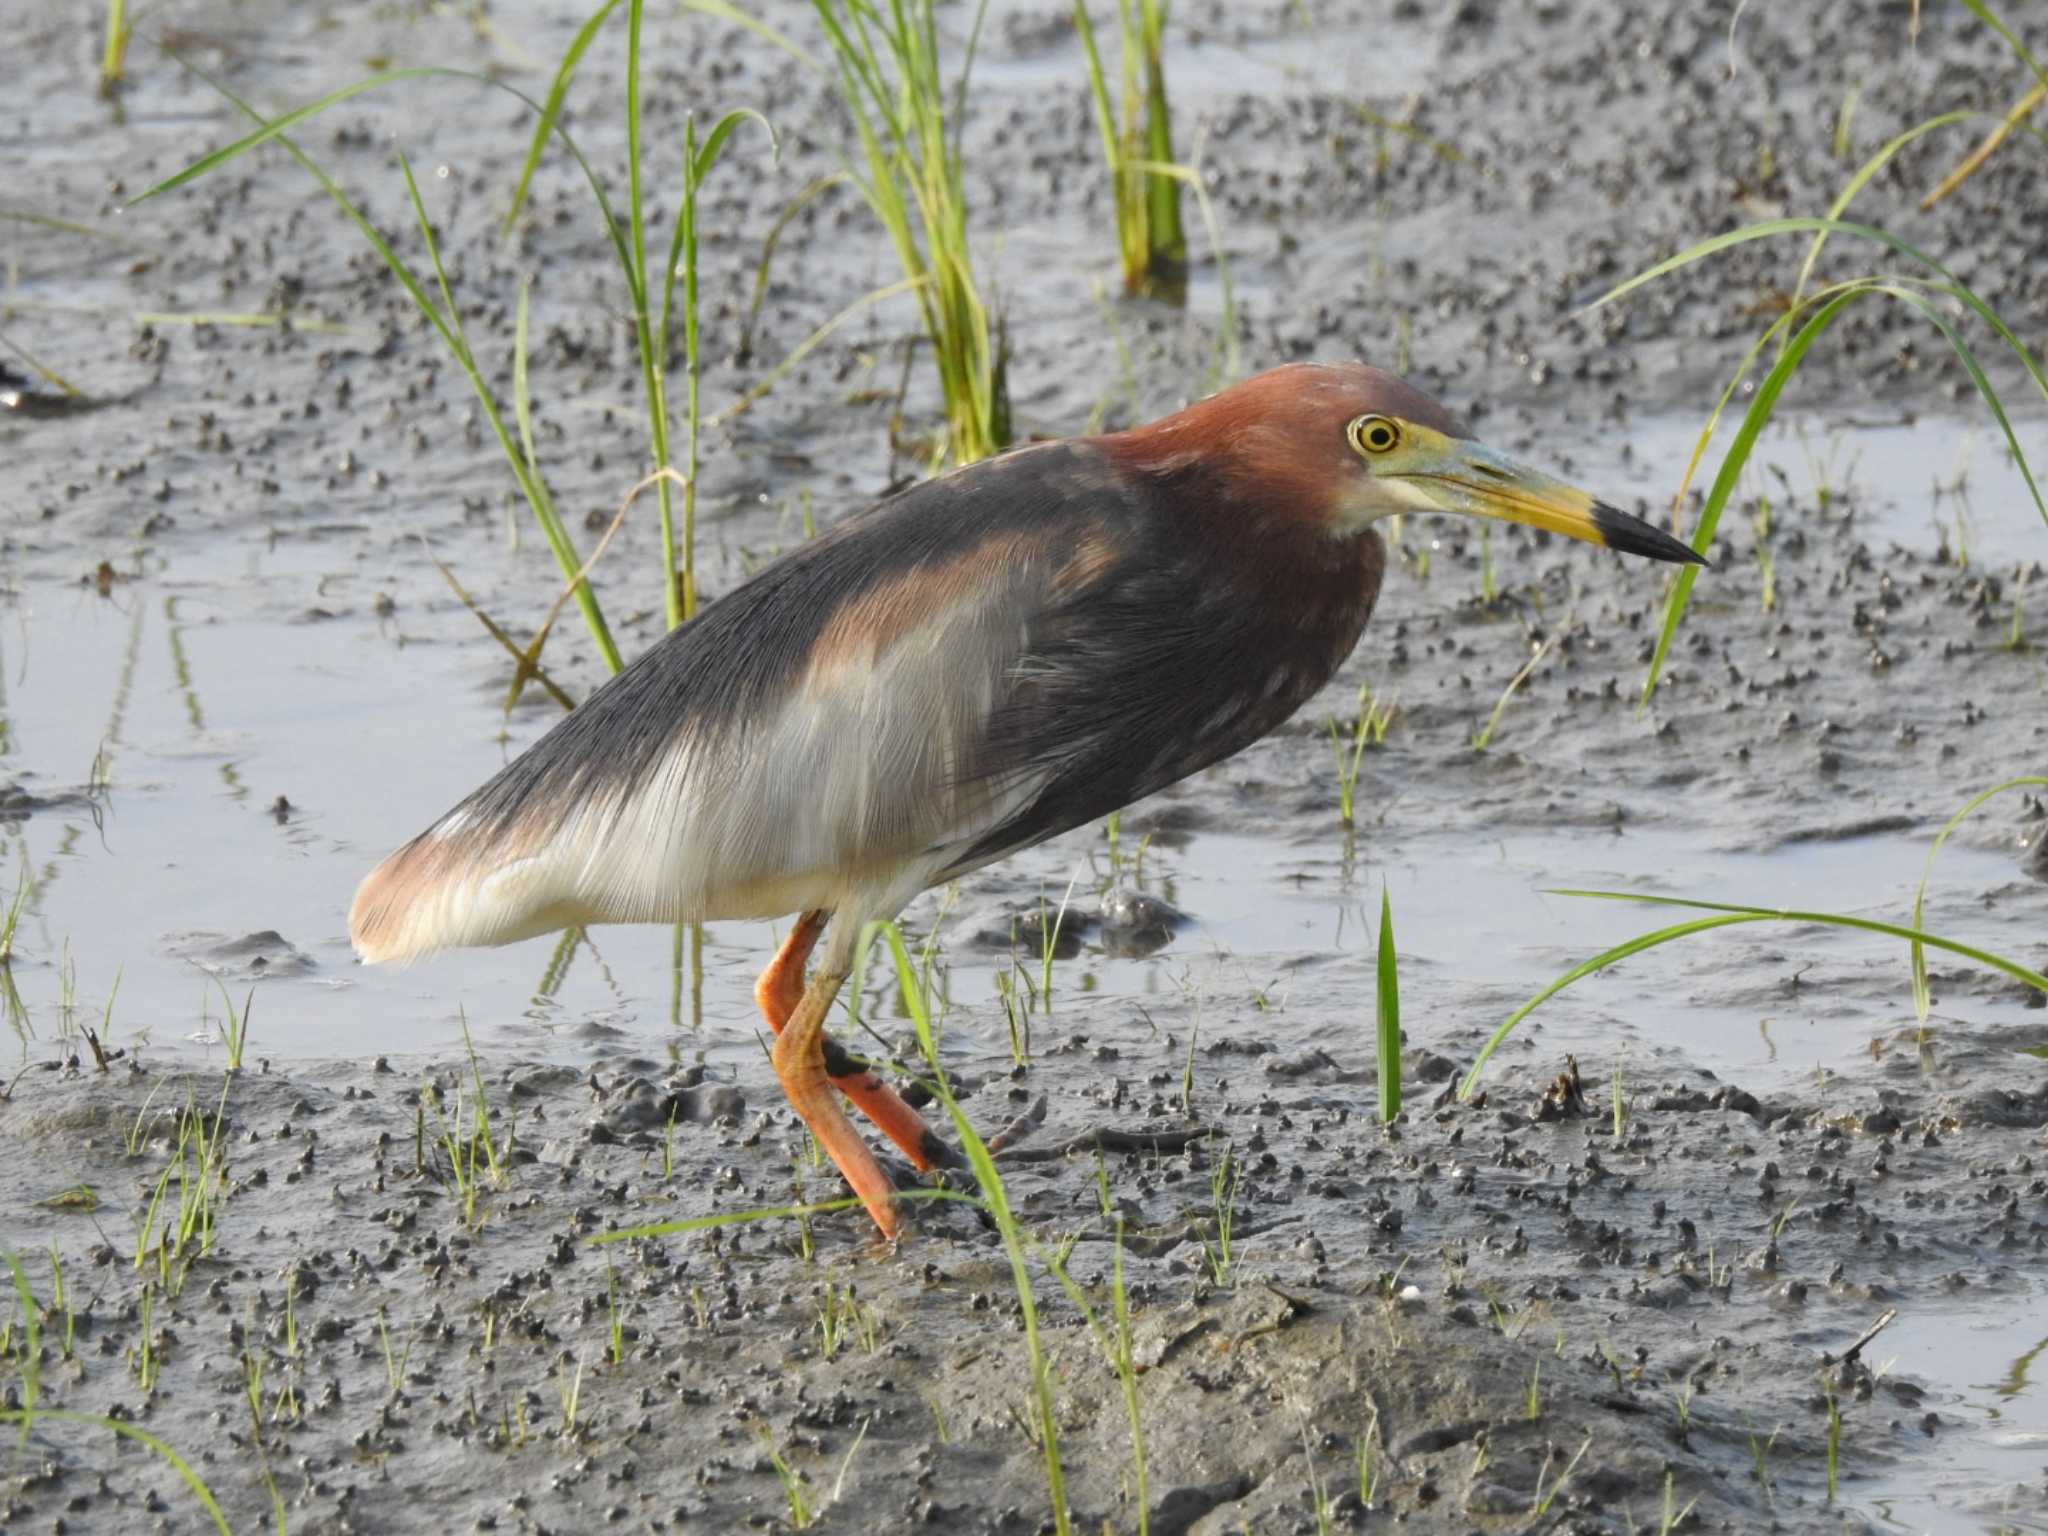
[{"x": 1633, "y": 536}]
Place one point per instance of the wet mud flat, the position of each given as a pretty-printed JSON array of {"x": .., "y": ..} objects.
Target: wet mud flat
[
  {"x": 1590, "y": 1314},
  {"x": 1516, "y": 1319}
]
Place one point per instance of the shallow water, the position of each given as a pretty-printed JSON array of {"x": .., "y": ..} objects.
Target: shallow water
[{"x": 1998, "y": 1351}]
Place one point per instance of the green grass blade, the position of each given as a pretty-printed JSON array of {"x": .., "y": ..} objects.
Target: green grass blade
[
  {"x": 1764, "y": 230},
  {"x": 1725, "y": 915},
  {"x": 532, "y": 486},
  {"x": 31, "y": 1371},
  {"x": 1388, "y": 1015},
  {"x": 906, "y": 982},
  {"x": 1760, "y": 407},
  {"x": 790, "y": 210},
  {"x": 522, "y": 400},
  {"x": 1229, "y": 360},
  {"x": 1983, "y": 957},
  {"x": 551, "y": 110},
  {"x": 1098, "y": 88},
  {"x": 1829, "y": 302},
  {"x": 1984, "y": 14},
  {"x": 1579, "y": 972},
  {"x": 996, "y": 1200},
  {"x": 48, "y": 375},
  {"x": 272, "y": 128},
  {"x": 71, "y": 227},
  {"x": 1857, "y": 182},
  {"x": 1921, "y": 1000},
  {"x": 804, "y": 348},
  {"x": 724, "y": 10},
  {"x": 141, "y": 1436},
  {"x": 1968, "y": 358},
  {"x": 714, "y": 141},
  {"x": 1166, "y": 239}
]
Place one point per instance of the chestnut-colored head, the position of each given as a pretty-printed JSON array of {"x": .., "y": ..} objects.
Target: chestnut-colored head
[{"x": 1336, "y": 446}]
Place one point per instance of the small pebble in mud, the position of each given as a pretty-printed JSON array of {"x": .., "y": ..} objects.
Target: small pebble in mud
[
  {"x": 2034, "y": 857},
  {"x": 1136, "y": 924}
]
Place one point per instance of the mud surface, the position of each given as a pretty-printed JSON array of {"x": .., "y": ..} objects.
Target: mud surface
[{"x": 233, "y": 678}]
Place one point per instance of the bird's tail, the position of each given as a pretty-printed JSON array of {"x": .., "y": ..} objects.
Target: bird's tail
[{"x": 460, "y": 883}]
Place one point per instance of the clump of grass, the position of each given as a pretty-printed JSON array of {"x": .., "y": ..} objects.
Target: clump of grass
[
  {"x": 175, "y": 1234},
  {"x": 467, "y": 1137},
  {"x": 569, "y": 1394},
  {"x": 1928, "y": 287},
  {"x": 914, "y": 179},
  {"x": 1151, "y": 240},
  {"x": 24, "y": 890},
  {"x": 1760, "y": 1463},
  {"x": 395, "y": 1361},
  {"x": 653, "y": 324},
  {"x": 842, "y": 1316},
  {"x": 1048, "y": 943},
  {"x": 29, "y": 1365}
]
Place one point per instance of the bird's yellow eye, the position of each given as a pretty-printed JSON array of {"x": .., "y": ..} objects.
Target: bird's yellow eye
[{"x": 1374, "y": 434}]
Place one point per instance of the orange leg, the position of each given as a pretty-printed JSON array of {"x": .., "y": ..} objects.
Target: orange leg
[
  {"x": 781, "y": 986},
  {"x": 800, "y": 1062},
  {"x": 778, "y": 993}
]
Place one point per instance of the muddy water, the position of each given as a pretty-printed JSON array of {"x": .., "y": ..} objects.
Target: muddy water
[{"x": 275, "y": 685}]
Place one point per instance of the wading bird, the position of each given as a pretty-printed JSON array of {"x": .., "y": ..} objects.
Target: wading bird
[{"x": 963, "y": 670}]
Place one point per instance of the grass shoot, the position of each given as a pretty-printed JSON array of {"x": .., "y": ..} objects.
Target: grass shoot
[
  {"x": 792, "y": 1481},
  {"x": 1387, "y": 1016},
  {"x": 1834, "y": 1433},
  {"x": 114, "y": 56},
  {"x": 234, "y": 1026},
  {"x": 1225, "y": 1175},
  {"x": 1922, "y": 996},
  {"x": 1368, "y": 729},
  {"x": 1544, "y": 1500},
  {"x": 1369, "y": 1458},
  {"x": 1483, "y": 737}
]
